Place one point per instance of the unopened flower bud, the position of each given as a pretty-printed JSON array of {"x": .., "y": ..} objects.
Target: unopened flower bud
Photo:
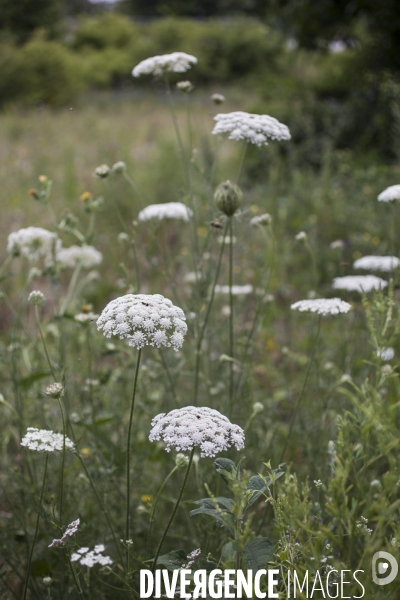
[
  {"x": 36, "y": 298},
  {"x": 119, "y": 167},
  {"x": 218, "y": 98},
  {"x": 54, "y": 390},
  {"x": 301, "y": 236},
  {"x": 47, "y": 581},
  {"x": 181, "y": 460},
  {"x": 258, "y": 407},
  {"x": 228, "y": 197}
]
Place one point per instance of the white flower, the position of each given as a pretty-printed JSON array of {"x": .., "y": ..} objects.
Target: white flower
[
  {"x": 119, "y": 167},
  {"x": 186, "y": 428},
  {"x": 144, "y": 320},
  {"x": 227, "y": 239},
  {"x": 45, "y": 440},
  {"x": 34, "y": 243},
  {"x": 72, "y": 528},
  {"x": 177, "y": 62},
  {"x": 301, "y": 236},
  {"x": 322, "y": 306},
  {"x": 337, "y": 244},
  {"x": 36, "y": 298},
  {"x": 255, "y": 129},
  {"x": 93, "y": 557},
  {"x": 168, "y": 210},
  {"x": 358, "y": 283},
  {"x": 237, "y": 290},
  {"x": 391, "y": 193},
  {"x": 218, "y": 98},
  {"x": 377, "y": 263},
  {"x": 102, "y": 171},
  {"x": 264, "y": 219},
  {"x": 184, "y": 86},
  {"x": 385, "y": 353},
  {"x": 88, "y": 256},
  {"x": 54, "y": 390},
  {"x": 85, "y": 318}
]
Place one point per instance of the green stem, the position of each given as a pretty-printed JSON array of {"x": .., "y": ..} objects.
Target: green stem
[
  {"x": 74, "y": 576},
  {"x": 207, "y": 315},
  {"x": 44, "y": 343},
  {"x": 303, "y": 389},
  {"x": 155, "y": 504},
  {"x": 231, "y": 332},
  {"x": 169, "y": 377},
  {"x": 128, "y": 449},
  {"x": 241, "y": 164},
  {"x": 173, "y": 512},
  {"x": 177, "y": 132},
  {"x": 71, "y": 288},
  {"x": 36, "y": 529},
  {"x": 62, "y": 461}
]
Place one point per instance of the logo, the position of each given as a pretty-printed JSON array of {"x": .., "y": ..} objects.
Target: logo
[{"x": 382, "y": 562}]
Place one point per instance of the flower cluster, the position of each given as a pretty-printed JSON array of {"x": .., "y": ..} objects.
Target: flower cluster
[
  {"x": 168, "y": 210},
  {"x": 36, "y": 298},
  {"x": 89, "y": 558},
  {"x": 54, "y": 390},
  {"x": 264, "y": 219},
  {"x": 255, "y": 129},
  {"x": 358, "y": 283},
  {"x": 45, "y": 440},
  {"x": 377, "y": 263},
  {"x": 87, "y": 256},
  {"x": 186, "y": 428},
  {"x": 177, "y": 62},
  {"x": 102, "y": 171},
  {"x": 34, "y": 243},
  {"x": 385, "y": 353},
  {"x": 322, "y": 306},
  {"x": 72, "y": 528},
  {"x": 391, "y": 193},
  {"x": 237, "y": 290},
  {"x": 144, "y": 320}
]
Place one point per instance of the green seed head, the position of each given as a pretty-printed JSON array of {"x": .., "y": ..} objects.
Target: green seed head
[{"x": 228, "y": 197}]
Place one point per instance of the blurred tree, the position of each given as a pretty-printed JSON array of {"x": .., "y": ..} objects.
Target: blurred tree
[
  {"x": 193, "y": 8},
  {"x": 22, "y": 17}
]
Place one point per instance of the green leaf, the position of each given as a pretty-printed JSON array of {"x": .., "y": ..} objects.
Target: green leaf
[
  {"x": 257, "y": 486},
  {"x": 218, "y": 508},
  {"x": 173, "y": 560},
  {"x": 26, "y": 382},
  {"x": 258, "y": 553},
  {"x": 226, "y": 468}
]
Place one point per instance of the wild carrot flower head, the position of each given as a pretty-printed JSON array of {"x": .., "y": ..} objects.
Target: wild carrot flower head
[
  {"x": 88, "y": 256},
  {"x": 54, "y": 390},
  {"x": 391, "y": 193},
  {"x": 102, "y": 171},
  {"x": 186, "y": 428},
  {"x": 72, "y": 528},
  {"x": 322, "y": 306},
  {"x": 377, "y": 263},
  {"x": 34, "y": 243},
  {"x": 45, "y": 440},
  {"x": 255, "y": 129},
  {"x": 144, "y": 320},
  {"x": 167, "y": 210},
  {"x": 36, "y": 298},
  {"x": 358, "y": 283},
  {"x": 177, "y": 62},
  {"x": 89, "y": 558}
]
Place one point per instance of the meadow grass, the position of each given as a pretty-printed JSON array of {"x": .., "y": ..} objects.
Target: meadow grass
[{"x": 345, "y": 432}]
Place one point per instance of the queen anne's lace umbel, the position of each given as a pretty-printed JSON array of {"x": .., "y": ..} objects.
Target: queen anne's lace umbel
[
  {"x": 322, "y": 306},
  {"x": 168, "y": 210},
  {"x": 45, "y": 440},
  {"x": 88, "y": 256},
  {"x": 89, "y": 558},
  {"x": 177, "y": 62},
  {"x": 35, "y": 244},
  {"x": 255, "y": 129},
  {"x": 237, "y": 290},
  {"x": 377, "y": 263},
  {"x": 391, "y": 193},
  {"x": 191, "y": 427},
  {"x": 144, "y": 320},
  {"x": 358, "y": 283},
  {"x": 72, "y": 528}
]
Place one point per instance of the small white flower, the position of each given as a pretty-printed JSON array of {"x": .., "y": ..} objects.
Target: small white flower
[
  {"x": 218, "y": 98},
  {"x": 264, "y": 219},
  {"x": 45, "y": 440},
  {"x": 385, "y": 353},
  {"x": 184, "y": 86},
  {"x": 119, "y": 167},
  {"x": 301, "y": 236},
  {"x": 102, "y": 171},
  {"x": 72, "y": 528},
  {"x": 90, "y": 558},
  {"x": 391, "y": 193},
  {"x": 237, "y": 290},
  {"x": 36, "y": 298},
  {"x": 177, "y": 62},
  {"x": 85, "y": 318},
  {"x": 337, "y": 244},
  {"x": 168, "y": 210},
  {"x": 35, "y": 244},
  {"x": 322, "y": 306},
  {"x": 87, "y": 256},
  {"x": 54, "y": 390},
  {"x": 255, "y": 129},
  {"x": 186, "y": 428},
  {"x": 358, "y": 283},
  {"x": 144, "y": 320},
  {"x": 377, "y": 263}
]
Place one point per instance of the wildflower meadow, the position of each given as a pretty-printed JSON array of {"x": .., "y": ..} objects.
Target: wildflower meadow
[{"x": 200, "y": 342}]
